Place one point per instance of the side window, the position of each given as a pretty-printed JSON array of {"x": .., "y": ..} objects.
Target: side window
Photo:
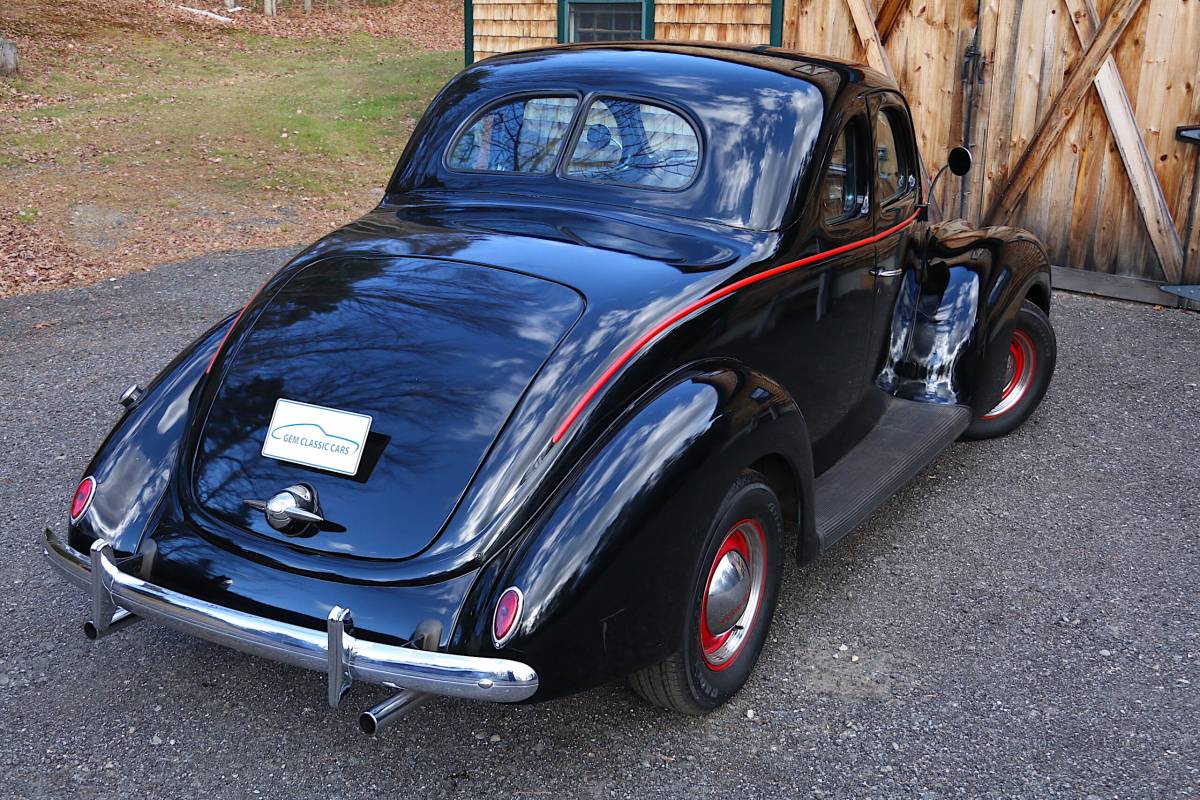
[
  {"x": 894, "y": 173},
  {"x": 518, "y": 136},
  {"x": 624, "y": 141},
  {"x": 843, "y": 186}
]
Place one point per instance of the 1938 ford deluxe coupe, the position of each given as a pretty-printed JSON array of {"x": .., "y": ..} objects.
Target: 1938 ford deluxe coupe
[{"x": 631, "y": 323}]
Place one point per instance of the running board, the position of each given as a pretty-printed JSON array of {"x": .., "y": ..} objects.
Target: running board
[{"x": 908, "y": 436}]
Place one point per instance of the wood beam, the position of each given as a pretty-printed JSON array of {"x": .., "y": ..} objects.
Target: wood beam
[
  {"x": 888, "y": 16},
  {"x": 864, "y": 24},
  {"x": 1061, "y": 109},
  {"x": 1156, "y": 214},
  {"x": 877, "y": 58}
]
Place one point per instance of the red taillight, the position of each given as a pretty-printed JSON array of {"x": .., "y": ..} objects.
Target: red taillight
[
  {"x": 82, "y": 498},
  {"x": 508, "y": 611}
]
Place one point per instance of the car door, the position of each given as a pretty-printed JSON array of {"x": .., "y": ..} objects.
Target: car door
[
  {"x": 894, "y": 200},
  {"x": 831, "y": 387}
]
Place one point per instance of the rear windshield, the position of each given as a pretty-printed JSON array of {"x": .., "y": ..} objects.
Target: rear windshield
[
  {"x": 617, "y": 140},
  {"x": 523, "y": 136}
]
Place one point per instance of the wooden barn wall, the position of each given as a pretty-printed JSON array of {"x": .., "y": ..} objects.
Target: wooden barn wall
[
  {"x": 737, "y": 22},
  {"x": 501, "y": 27},
  {"x": 1081, "y": 200}
]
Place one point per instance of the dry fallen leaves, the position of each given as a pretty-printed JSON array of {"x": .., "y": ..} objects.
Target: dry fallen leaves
[{"x": 37, "y": 254}]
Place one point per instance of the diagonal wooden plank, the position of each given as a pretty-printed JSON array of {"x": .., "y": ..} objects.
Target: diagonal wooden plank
[
  {"x": 877, "y": 58},
  {"x": 864, "y": 24},
  {"x": 888, "y": 16},
  {"x": 1061, "y": 109},
  {"x": 1156, "y": 214}
]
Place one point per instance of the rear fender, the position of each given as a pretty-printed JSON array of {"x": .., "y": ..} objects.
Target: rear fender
[
  {"x": 606, "y": 566},
  {"x": 135, "y": 463}
]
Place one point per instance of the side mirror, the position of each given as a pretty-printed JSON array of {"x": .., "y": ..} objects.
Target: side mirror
[{"x": 959, "y": 161}]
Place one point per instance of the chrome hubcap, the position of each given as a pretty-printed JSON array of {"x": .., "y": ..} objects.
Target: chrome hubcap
[
  {"x": 733, "y": 594},
  {"x": 1022, "y": 364},
  {"x": 728, "y": 592}
]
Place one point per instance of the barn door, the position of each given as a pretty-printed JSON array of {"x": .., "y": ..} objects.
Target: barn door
[{"x": 1070, "y": 108}]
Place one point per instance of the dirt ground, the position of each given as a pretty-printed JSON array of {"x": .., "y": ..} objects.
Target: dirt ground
[{"x": 138, "y": 132}]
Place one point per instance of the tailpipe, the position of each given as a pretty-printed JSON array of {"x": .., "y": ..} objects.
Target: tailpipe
[
  {"x": 121, "y": 619},
  {"x": 383, "y": 715}
]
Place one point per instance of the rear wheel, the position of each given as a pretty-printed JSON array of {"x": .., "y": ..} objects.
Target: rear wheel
[
  {"x": 1031, "y": 356},
  {"x": 731, "y": 601}
]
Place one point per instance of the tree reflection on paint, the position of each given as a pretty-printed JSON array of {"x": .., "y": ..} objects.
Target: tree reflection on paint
[{"x": 436, "y": 353}]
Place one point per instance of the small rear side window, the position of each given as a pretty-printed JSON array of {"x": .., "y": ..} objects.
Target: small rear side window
[
  {"x": 625, "y": 141},
  {"x": 843, "y": 190},
  {"x": 894, "y": 173},
  {"x": 522, "y": 136}
]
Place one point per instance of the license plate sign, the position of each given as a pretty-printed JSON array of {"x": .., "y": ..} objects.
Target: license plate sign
[{"x": 316, "y": 436}]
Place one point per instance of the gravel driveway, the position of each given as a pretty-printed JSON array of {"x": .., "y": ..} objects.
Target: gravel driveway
[{"x": 1024, "y": 620}]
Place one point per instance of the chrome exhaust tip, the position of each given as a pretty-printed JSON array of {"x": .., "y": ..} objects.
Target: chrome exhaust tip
[
  {"x": 382, "y": 716},
  {"x": 121, "y": 620}
]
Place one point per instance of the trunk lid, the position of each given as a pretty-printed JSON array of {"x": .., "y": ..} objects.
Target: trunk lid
[{"x": 436, "y": 353}]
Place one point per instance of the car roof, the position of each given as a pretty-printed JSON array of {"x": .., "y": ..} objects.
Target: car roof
[{"x": 829, "y": 73}]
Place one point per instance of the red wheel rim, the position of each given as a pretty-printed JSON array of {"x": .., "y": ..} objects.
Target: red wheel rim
[
  {"x": 735, "y": 587},
  {"x": 1022, "y": 366}
]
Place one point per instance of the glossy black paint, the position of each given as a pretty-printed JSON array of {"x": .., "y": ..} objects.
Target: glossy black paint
[
  {"x": 362, "y": 333},
  {"x": 469, "y": 313}
]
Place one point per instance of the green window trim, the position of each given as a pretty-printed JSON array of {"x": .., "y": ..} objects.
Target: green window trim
[
  {"x": 564, "y": 16},
  {"x": 776, "y": 23},
  {"x": 468, "y": 32}
]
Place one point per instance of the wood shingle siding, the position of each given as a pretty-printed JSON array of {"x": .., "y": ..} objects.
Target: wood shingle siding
[
  {"x": 746, "y": 22},
  {"x": 502, "y": 27}
]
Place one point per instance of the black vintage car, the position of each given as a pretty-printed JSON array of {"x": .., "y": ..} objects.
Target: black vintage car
[{"x": 631, "y": 323}]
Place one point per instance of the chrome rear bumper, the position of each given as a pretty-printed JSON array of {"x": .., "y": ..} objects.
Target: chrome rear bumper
[{"x": 117, "y": 595}]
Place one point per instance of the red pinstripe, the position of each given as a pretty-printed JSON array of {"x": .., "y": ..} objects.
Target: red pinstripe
[{"x": 707, "y": 299}]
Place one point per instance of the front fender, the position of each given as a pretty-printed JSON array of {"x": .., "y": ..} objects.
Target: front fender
[
  {"x": 134, "y": 464},
  {"x": 606, "y": 566},
  {"x": 954, "y": 316}
]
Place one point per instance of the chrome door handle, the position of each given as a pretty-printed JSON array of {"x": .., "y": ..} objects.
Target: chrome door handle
[{"x": 886, "y": 273}]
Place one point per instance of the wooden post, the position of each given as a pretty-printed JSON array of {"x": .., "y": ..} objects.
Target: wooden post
[{"x": 9, "y": 65}]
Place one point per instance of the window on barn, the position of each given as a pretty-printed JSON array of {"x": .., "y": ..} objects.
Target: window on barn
[
  {"x": 604, "y": 22},
  {"x": 518, "y": 136}
]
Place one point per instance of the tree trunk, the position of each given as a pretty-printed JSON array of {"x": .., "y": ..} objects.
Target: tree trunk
[
  {"x": 8, "y": 58},
  {"x": 307, "y": 6},
  {"x": 269, "y": 7}
]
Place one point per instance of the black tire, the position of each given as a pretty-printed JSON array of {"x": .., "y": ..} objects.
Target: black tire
[
  {"x": 707, "y": 669},
  {"x": 1030, "y": 366}
]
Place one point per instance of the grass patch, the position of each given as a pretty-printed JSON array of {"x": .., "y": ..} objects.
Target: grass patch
[
  {"x": 196, "y": 142},
  {"x": 250, "y": 95}
]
